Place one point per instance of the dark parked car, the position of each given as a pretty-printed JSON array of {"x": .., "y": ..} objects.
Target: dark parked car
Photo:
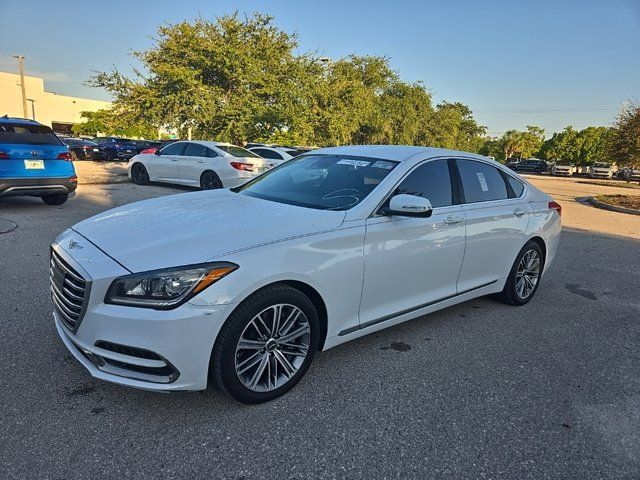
[
  {"x": 84, "y": 149},
  {"x": 531, "y": 166},
  {"x": 116, "y": 148}
]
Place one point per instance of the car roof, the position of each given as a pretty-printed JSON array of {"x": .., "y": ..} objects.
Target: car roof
[
  {"x": 25, "y": 121},
  {"x": 208, "y": 143},
  {"x": 398, "y": 153}
]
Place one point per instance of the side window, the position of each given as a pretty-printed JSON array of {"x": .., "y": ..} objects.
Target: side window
[
  {"x": 195, "y": 150},
  {"x": 173, "y": 149},
  {"x": 481, "y": 182},
  {"x": 211, "y": 153},
  {"x": 516, "y": 185},
  {"x": 432, "y": 181},
  {"x": 264, "y": 153}
]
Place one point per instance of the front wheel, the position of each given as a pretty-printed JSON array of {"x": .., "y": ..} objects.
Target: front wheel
[
  {"x": 55, "y": 199},
  {"x": 266, "y": 345},
  {"x": 524, "y": 277},
  {"x": 139, "y": 174}
]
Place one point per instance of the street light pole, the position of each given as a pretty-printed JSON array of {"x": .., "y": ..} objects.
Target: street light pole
[{"x": 24, "y": 93}]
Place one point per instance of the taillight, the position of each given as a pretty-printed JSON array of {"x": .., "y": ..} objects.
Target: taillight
[
  {"x": 64, "y": 156},
  {"x": 149, "y": 150},
  {"x": 73, "y": 179},
  {"x": 247, "y": 167},
  {"x": 555, "y": 206},
  {"x": 3, "y": 155}
]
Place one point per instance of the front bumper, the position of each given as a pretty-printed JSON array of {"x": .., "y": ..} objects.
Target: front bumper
[
  {"x": 36, "y": 187},
  {"x": 159, "y": 350}
]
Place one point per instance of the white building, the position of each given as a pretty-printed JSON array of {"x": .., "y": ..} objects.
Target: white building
[{"x": 60, "y": 112}]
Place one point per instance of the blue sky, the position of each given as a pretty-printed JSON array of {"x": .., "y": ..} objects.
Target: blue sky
[{"x": 546, "y": 63}]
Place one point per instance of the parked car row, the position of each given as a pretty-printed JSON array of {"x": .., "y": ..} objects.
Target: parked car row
[{"x": 568, "y": 169}]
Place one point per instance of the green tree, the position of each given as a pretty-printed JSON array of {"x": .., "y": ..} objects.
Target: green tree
[
  {"x": 624, "y": 144},
  {"x": 240, "y": 79},
  {"x": 109, "y": 122},
  {"x": 520, "y": 144}
]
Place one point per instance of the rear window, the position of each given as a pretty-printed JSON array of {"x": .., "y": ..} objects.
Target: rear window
[
  {"x": 27, "y": 134},
  {"x": 237, "y": 151}
]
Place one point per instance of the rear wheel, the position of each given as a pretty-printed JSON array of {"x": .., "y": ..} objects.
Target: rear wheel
[
  {"x": 55, "y": 199},
  {"x": 524, "y": 277},
  {"x": 266, "y": 345},
  {"x": 209, "y": 180},
  {"x": 139, "y": 174}
]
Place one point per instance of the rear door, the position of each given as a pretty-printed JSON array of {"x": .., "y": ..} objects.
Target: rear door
[
  {"x": 32, "y": 151},
  {"x": 165, "y": 167},
  {"x": 196, "y": 159},
  {"x": 496, "y": 218}
]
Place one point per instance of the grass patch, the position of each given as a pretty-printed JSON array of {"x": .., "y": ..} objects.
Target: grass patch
[
  {"x": 612, "y": 183},
  {"x": 626, "y": 201}
]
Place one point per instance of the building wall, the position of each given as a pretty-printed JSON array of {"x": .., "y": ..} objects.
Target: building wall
[{"x": 49, "y": 107}]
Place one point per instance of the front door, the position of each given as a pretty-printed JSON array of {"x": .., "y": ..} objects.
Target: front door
[{"x": 413, "y": 262}]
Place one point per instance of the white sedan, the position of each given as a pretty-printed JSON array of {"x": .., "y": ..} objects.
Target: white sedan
[
  {"x": 208, "y": 165},
  {"x": 244, "y": 286},
  {"x": 277, "y": 154}
]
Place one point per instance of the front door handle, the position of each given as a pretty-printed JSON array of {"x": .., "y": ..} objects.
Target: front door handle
[
  {"x": 453, "y": 219},
  {"x": 518, "y": 212}
]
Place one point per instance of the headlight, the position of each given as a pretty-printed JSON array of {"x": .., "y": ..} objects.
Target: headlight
[{"x": 167, "y": 288}]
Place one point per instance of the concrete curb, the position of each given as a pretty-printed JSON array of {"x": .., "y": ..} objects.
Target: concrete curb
[
  {"x": 613, "y": 208},
  {"x": 103, "y": 179}
]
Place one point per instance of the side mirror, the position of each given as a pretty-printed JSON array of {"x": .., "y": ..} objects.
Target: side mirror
[
  {"x": 158, "y": 151},
  {"x": 409, "y": 206}
]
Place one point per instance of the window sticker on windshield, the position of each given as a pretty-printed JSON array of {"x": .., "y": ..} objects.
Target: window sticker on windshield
[
  {"x": 354, "y": 163},
  {"x": 483, "y": 182},
  {"x": 384, "y": 165}
]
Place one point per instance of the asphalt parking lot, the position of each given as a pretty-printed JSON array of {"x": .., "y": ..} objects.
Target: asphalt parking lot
[{"x": 479, "y": 390}]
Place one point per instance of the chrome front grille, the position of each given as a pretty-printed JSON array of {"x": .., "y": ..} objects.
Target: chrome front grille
[{"x": 69, "y": 291}]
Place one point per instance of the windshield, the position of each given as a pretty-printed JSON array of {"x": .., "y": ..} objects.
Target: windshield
[
  {"x": 237, "y": 151},
  {"x": 325, "y": 182},
  {"x": 27, "y": 134},
  {"x": 602, "y": 165},
  {"x": 564, "y": 162}
]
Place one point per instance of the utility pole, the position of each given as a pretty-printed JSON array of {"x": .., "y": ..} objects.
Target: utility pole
[{"x": 24, "y": 93}]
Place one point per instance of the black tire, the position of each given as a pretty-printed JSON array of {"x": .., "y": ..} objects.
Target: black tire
[
  {"x": 139, "y": 174},
  {"x": 509, "y": 294},
  {"x": 55, "y": 199},
  {"x": 109, "y": 157},
  {"x": 210, "y": 180},
  {"x": 222, "y": 367}
]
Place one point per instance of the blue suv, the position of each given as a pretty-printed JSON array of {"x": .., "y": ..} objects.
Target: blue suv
[{"x": 34, "y": 162}]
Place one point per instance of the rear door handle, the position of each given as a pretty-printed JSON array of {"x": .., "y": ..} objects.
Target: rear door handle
[
  {"x": 453, "y": 219},
  {"x": 518, "y": 212}
]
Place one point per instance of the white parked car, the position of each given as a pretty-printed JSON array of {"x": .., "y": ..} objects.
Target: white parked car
[
  {"x": 207, "y": 165},
  {"x": 245, "y": 285},
  {"x": 564, "y": 168},
  {"x": 277, "y": 154},
  {"x": 601, "y": 170}
]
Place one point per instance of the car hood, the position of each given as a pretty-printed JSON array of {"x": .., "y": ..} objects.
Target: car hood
[{"x": 191, "y": 228}]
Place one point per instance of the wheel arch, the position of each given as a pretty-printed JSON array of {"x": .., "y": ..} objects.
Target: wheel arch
[
  {"x": 311, "y": 293},
  {"x": 541, "y": 243}
]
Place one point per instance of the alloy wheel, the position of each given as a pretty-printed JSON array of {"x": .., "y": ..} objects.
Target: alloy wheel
[
  {"x": 527, "y": 274},
  {"x": 272, "y": 347}
]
